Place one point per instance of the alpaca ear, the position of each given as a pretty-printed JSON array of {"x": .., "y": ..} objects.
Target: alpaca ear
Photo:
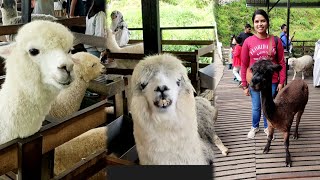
[
  {"x": 76, "y": 60},
  {"x": 6, "y": 50},
  {"x": 276, "y": 67}
]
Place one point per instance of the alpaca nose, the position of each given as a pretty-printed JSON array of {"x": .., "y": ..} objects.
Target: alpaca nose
[
  {"x": 67, "y": 68},
  {"x": 162, "y": 89}
]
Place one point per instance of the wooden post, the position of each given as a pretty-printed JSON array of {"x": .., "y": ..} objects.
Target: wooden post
[
  {"x": 26, "y": 11},
  {"x": 30, "y": 157},
  {"x": 151, "y": 26},
  {"x": 47, "y": 165}
]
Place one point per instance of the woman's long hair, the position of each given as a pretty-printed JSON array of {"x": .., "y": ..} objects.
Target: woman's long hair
[{"x": 96, "y": 6}]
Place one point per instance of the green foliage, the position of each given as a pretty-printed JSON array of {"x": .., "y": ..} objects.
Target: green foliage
[
  {"x": 173, "y": 2},
  {"x": 232, "y": 17}
]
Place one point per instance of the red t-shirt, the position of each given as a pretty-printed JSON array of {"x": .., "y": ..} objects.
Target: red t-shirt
[
  {"x": 254, "y": 49},
  {"x": 236, "y": 56}
]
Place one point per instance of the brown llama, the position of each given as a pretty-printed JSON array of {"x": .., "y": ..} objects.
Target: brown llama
[{"x": 280, "y": 111}]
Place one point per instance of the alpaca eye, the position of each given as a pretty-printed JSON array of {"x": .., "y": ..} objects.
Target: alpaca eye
[
  {"x": 33, "y": 51},
  {"x": 179, "y": 82},
  {"x": 93, "y": 65},
  {"x": 143, "y": 85},
  {"x": 69, "y": 51}
]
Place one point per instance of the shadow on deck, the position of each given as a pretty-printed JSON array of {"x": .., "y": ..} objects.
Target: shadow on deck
[{"x": 246, "y": 160}]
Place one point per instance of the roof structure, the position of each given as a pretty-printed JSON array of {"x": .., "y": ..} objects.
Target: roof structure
[{"x": 283, "y": 3}]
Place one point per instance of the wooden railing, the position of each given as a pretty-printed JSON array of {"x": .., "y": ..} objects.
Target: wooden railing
[{"x": 303, "y": 47}]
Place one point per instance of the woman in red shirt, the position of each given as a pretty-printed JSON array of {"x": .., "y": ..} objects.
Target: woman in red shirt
[
  {"x": 236, "y": 59},
  {"x": 255, "y": 48}
]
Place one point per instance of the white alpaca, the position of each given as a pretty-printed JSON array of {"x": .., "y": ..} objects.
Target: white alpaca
[
  {"x": 37, "y": 69},
  {"x": 10, "y": 15},
  {"x": 164, "y": 114},
  {"x": 301, "y": 64},
  {"x": 87, "y": 67}
]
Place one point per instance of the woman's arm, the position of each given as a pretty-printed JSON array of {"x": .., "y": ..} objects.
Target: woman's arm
[
  {"x": 72, "y": 7},
  {"x": 245, "y": 61},
  {"x": 281, "y": 61}
]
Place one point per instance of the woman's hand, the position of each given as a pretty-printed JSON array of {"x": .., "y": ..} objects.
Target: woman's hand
[
  {"x": 246, "y": 91},
  {"x": 280, "y": 86}
]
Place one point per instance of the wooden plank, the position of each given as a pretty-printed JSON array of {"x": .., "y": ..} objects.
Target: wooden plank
[
  {"x": 205, "y": 50},
  {"x": 89, "y": 40},
  {"x": 29, "y": 157},
  {"x": 289, "y": 175},
  {"x": 56, "y": 134},
  {"x": 13, "y": 29},
  {"x": 107, "y": 90},
  {"x": 130, "y": 56},
  {"x": 186, "y": 42},
  {"x": 86, "y": 168},
  {"x": 8, "y": 157}
]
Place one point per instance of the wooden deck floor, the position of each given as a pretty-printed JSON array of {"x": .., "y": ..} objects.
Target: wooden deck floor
[{"x": 246, "y": 160}]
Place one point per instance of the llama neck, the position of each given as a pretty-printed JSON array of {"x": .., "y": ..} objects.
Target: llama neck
[
  {"x": 8, "y": 14},
  {"x": 112, "y": 43},
  {"x": 69, "y": 100},
  {"x": 268, "y": 105}
]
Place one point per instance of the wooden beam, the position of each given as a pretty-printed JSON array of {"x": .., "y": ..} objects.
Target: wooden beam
[
  {"x": 68, "y": 22},
  {"x": 85, "y": 168},
  {"x": 108, "y": 90},
  {"x": 151, "y": 26}
]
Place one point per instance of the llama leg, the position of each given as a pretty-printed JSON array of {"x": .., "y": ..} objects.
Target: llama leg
[
  {"x": 217, "y": 141},
  {"x": 302, "y": 75},
  {"x": 294, "y": 74},
  {"x": 296, "y": 135},
  {"x": 286, "y": 146},
  {"x": 270, "y": 136}
]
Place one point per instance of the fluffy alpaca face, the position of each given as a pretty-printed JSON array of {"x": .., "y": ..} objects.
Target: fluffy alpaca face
[
  {"x": 161, "y": 80},
  {"x": 48, "y": 49},
  {"x": 87, "y": 66},
  {"x": 262, "y": 72},
  {"x": 8, "y": 4}
]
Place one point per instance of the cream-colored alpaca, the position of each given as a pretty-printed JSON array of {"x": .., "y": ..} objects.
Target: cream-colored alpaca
[
  {"x": 38, "y": 68},
  {"x": 73, "y": 151},
  {"x": 87, "y": 67},
  {"x": 164, "y": 114}
]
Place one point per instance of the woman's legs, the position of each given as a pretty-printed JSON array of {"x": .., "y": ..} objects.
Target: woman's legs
[
  {"x": 235, "y": 71},
  {"x": 256, "y": 107}
]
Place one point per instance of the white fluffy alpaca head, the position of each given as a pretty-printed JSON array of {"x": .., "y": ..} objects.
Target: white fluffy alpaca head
[
  {"x": 87, "y": 66},
  {"x": 161, "y": 80},
  {"x": 47, "y": 45}
]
